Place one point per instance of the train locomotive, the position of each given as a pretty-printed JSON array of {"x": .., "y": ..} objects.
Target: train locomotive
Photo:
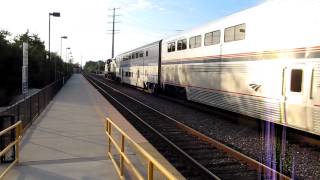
[{"x": 263, "y": 62}]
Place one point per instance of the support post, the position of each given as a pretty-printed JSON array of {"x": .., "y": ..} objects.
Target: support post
[
  {"x": 150, "y": 170},
  {"x": 109, "y": 142},
  {"x": 121, "y": 157},
  {"x": 18, "y": 133}
]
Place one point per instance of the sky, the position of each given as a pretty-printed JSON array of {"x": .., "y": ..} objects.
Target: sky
[{"x": 87, "y": 22}]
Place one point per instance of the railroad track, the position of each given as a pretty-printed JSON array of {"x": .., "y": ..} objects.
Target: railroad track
[{"x": 195, "y": 155}]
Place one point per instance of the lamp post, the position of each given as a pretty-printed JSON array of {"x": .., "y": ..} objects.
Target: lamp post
[
  {"x": 55, "y": 62},
  {"x": 70, "y": 58},
  {"x": 62, "y": 37},
  {"x": 54, "y": 14},
  {"x": 68, "y": 48}
]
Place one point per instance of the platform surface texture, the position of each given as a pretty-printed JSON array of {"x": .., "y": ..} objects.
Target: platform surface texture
[{"x": 67, "y": 141}]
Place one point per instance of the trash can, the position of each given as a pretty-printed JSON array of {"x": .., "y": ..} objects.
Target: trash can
[{"x": 5, "y": 122}]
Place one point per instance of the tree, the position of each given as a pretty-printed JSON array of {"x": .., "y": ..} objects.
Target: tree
[
  {"x": 10, "y": 80},
  {"x": 93, "y": 66},
  {"x": 41, "y": 70}
]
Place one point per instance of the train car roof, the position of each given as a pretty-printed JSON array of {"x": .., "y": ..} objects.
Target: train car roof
[
  {"x": 250, "y": 14},
  {"x": 141, "y": 47},
  {"x": 216, "y": 23}
]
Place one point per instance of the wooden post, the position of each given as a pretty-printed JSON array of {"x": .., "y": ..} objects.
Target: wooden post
[
  {"x": 18, "y": 132},
  {"x": 121, "y": 157},
  {"x": 109, "y": 132},
  {"x": 150, "y": 170}
]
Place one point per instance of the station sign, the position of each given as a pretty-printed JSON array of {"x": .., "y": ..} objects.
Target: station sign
[
  {"x": 25, "y": 68},
  {"x": 25, "y": 54}
]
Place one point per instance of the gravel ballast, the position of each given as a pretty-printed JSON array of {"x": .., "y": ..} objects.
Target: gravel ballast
[{"x": 262, "y": 144}]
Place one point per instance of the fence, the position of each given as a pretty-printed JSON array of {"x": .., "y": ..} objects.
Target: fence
[
  {"x": 17, "y": 127},
  {"x": 31, "y": 106},
  {"x": 124, "y": 160}
]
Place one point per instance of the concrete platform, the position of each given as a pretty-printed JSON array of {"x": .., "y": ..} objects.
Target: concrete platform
[{"x": 67, "y": 141}]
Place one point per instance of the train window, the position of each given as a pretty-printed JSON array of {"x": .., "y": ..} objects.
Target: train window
[
  {"x": 171, "y": 46},
  {"x": 182, "y": 44},
  {"x": 235, "y": 33},
  {"x": 208, "y": 39},
  {"x": 229, "y": 34},
  {"x": 240, "y": 32},
  {"x": 192, "y": 42},
  {"x": 147, "y": 53},
  {"x": 129, "y": 57},
  {"x": 198, "y": 41},
  {"x": 137, "y": 55},
  {"x": 212, "y": 38},
  {"x": 195, "y": 42},
  {"x": 296, "y": 80},
  {"x": 141, "y": 54}
]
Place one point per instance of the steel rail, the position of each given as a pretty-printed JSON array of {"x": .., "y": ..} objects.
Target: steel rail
[
  {"x": 233, "y": 153},
  {"x": 158, "y": 133}
]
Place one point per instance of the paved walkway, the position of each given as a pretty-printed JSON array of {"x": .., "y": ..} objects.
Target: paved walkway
[{"x": 67, "y": 141}]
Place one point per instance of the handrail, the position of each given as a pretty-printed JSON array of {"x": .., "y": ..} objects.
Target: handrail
[
  {"x": 18, "y": 128},
  {"x": 152, "y": 162},
  {"x": 34, "y": 94}
]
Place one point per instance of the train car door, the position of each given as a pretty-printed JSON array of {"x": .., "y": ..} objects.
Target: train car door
[
  {"x": 297, "y": 89},
  {"x": 121, "y": 71},
  {"x": 138, "y": 78}
]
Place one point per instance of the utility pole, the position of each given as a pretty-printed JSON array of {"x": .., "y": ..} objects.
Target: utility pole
[
  {"x": 113, "y": 28},
  {"x": 113, "y": 19}
]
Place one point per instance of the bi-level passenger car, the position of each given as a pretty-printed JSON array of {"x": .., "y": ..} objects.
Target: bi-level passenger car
[{"x": 263, "y": 62}]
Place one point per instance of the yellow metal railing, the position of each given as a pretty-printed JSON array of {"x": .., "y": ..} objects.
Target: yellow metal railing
[
  {"x": 18, "y": 129},
  {"x": 152, "y": 162}
]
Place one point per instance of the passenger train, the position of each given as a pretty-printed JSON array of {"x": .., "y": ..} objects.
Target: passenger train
[{"x": 263, "y": 62}]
